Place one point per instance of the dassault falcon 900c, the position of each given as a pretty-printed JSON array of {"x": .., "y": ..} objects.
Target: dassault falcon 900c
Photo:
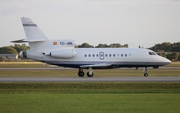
[{"x": 63, "y": 53}]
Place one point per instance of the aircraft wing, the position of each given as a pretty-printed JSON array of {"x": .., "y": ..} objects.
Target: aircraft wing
[{"x": 96, "y": 65}]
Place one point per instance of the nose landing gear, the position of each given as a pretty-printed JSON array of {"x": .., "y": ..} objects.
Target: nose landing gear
[{"x": 145, "y": 72}]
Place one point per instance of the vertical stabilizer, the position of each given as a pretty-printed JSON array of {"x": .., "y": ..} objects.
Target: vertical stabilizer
[
  {"x": 34, "y": 36},
  {"x": 33, "y": 33}
]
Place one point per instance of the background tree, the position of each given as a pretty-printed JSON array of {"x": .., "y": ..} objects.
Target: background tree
[
  {"x": 115, "y": 45},
  {"x": 126, "y": 46},
  {"x": 167, "y": 47},
  {"x": 8, "y": 50},
  {"x": 20, "y": 48},
  {"x": 85, "y": 45},
  {"x": 174, "y": 56},
  {"x": 102, "y": 46},
  {"x": 175, "y": 47}
]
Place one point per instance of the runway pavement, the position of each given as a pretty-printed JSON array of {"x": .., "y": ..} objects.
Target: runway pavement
[{"x": 86, "y": 79}]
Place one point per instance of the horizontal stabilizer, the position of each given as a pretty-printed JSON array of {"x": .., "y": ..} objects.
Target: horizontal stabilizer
[
  {"x": 96, "y": 65},
  {"x": 18, "y": 41},
  {"x": 26, "y": 40}
]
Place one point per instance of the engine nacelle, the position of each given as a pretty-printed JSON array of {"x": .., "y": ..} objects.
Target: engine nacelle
[
  {"x": 23, "y": 54},
  {"x": 65, "y": 54}
]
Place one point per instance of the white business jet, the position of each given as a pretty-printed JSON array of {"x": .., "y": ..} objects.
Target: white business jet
[{"x": 63, "y": 53}]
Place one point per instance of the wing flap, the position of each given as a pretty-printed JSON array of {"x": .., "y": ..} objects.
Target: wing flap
[{"x": 96, "y": 65}]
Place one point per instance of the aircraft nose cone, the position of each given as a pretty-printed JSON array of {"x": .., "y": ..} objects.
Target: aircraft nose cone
[{"x": 167, "y": 61}]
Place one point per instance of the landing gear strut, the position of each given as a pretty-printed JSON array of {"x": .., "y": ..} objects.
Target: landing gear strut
[
  {"x": 80, "y": 72},
  {"x": 145, "y": 72},
  {"x": 90, "y": 72}
]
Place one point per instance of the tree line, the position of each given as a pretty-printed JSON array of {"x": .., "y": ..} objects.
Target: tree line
[
  {"x": 169, "y": 50},
  {"x": 114, "y": 45},
  {"x": 165, "y": 49},
  {"x": 15, "y": 49}
]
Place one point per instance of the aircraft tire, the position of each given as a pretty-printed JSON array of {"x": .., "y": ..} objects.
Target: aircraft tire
[
  {"x": 81, "y": 74},
  {"x": 90, "y": 75},
  {"x": 145, "y": 74}
]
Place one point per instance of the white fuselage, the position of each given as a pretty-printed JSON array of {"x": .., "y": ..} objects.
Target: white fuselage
[{"x": 116, "y": 57}]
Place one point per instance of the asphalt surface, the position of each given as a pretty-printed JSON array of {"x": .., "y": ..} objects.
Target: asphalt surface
[{"x": 93, "y": 79}]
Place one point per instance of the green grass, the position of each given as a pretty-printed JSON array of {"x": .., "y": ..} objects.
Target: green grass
[
  {"x": 89, "y": 97},
  {"x": 22, "y": 65},
  {"x": 89, "y": 103},
  {"x": 90, "y": 87}
]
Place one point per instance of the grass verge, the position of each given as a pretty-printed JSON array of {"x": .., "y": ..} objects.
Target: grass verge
[
  {"x": 91, "y": 87},
  {"x": 89, "y": 97}
]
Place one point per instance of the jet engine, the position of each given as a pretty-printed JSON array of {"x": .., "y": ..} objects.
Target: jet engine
[
  {"x": 22, "y": 54},
  {"x": 65, "y": 54}
]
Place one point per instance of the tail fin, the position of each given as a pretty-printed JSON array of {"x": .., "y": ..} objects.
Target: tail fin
[
  {"x": 34, "y": 36},
  {"x": 33, "y": 33}
]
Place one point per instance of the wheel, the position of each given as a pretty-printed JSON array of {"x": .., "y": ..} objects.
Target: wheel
[
  {"x": 90, "y": 75},
  {"x": 81, "y": 74},
  {"x": 145, "y": 74}
]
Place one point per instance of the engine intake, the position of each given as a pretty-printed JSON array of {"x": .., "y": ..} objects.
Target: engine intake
[{"x": 23, "y": 54}]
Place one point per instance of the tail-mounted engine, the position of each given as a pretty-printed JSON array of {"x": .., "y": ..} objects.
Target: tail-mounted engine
[
  {"x": 23, "y": 54},
  {"x": 65, "y": 54}
]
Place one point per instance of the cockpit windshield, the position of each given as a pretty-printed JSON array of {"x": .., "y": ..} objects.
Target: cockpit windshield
[{"x": 152, "y": 53}]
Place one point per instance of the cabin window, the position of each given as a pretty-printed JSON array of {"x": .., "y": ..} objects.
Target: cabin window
[
  {"x": 129, "y": 54},
  {"x": 114, "y": 55},
  {"x": 109, "y": 55},
  {"x": 89, "y": 55},
  {"x": 97, "y": 55},
  {"x": 106, "y": 55},
  {"x": 121, "y": 55},
  {"x": 125, "y": 55},
  {"x": 93, "y": 55},
  {"x": 85, "y": 55}
]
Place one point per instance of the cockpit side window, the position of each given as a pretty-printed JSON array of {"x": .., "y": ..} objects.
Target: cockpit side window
[{"x": 152, "y": 53}]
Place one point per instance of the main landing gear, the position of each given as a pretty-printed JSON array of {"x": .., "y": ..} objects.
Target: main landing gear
[
  {"x": 81, "y": 73},
  {"x": 145, "y": 72},
  {"x": 89, "y": 73}
]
